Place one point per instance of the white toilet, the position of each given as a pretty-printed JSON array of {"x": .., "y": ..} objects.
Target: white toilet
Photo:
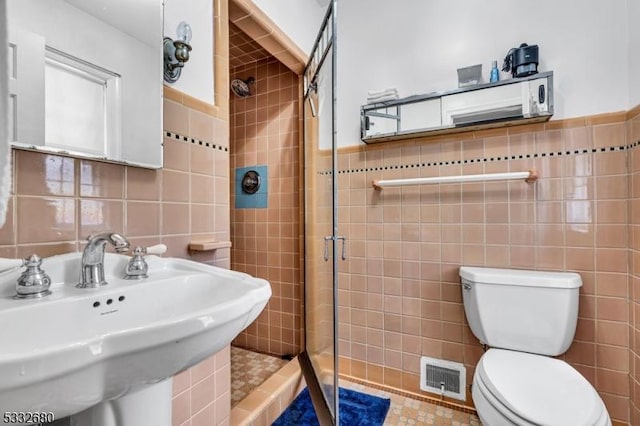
[{"x": 527, "y": 317}]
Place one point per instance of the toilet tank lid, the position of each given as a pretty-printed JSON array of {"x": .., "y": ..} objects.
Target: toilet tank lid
[{"x": 520, "y": 277}]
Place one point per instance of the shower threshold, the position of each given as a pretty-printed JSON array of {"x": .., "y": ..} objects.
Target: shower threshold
[{"x": 249, "y": 370}]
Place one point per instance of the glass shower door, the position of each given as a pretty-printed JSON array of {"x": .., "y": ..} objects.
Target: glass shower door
[{"x": 323, "y": 248}]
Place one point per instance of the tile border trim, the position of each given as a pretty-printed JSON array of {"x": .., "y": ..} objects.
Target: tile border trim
[
  {"x": 195, "y": 141},
  {"x": 487, "y": 159}
]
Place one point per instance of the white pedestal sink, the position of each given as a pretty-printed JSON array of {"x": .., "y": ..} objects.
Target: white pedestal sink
[{"x": 83, "y": 350}]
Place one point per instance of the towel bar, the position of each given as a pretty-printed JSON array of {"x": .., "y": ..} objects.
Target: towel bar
[{"x": 528, "y": 177}]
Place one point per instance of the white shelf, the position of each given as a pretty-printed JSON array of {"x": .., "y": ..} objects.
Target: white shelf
[{"x": 505, "y": 103}]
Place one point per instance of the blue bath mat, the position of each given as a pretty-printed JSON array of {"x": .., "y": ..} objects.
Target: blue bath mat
[{"x": 356, "y": 408}]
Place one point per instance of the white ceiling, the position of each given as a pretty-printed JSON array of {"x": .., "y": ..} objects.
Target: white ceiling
[{"x": 141, "y": 19}]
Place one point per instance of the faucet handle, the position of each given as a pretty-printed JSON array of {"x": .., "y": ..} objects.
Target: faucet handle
[
  {"x": 137, "y": 267},
  {"x": 157, "y": 249},
  {"x": 33, "y": 282}
]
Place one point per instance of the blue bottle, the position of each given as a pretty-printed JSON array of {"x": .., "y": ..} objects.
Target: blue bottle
[{"x": 495, "y": 74}]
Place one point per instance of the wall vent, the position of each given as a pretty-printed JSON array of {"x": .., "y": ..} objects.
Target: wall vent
[{"x": 443, "y": 377}]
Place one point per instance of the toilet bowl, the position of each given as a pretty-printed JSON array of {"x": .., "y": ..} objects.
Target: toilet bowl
[
  {"x": 527, "y": 318},
  {"x": 517, "y": 388}
]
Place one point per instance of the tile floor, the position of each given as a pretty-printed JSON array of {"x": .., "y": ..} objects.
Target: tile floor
[
  {"x": 248, "y": 370},
  {"x": 406, "y": 411}
]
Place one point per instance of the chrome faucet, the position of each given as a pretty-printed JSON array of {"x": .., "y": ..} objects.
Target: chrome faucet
[
  {"x": 33, "y": 282},
  {"x": 92, "y": 268},
  {"x": 137, "y": 267}
]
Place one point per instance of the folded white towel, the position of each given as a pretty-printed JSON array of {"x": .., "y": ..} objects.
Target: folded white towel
[
  {"x": 385, "y": 92},
  {"x": 386, "y": 95},
  {"x": 375, "y": 96},
  {"x": 5, "y": 150},
  {"x": 381, "y": 99}
]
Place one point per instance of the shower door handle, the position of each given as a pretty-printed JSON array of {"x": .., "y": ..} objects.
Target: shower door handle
[
  {"x": 326, "y": 246},
  {"x": 344, "y": 247}
]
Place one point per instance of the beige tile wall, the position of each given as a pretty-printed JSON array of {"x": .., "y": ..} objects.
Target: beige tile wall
[
  {"x": 633, "y": 135},
  {"x": 58, "y": 201},
  {"x": 201, "y": 395},
  {"x": 400, "y": 294},
  {"x": 266, "y": 242}
]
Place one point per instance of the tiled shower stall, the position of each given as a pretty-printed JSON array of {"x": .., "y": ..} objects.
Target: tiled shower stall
[{"x": 267, "y": 241}]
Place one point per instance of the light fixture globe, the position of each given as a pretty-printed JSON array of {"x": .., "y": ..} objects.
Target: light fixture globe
[{"x": 184, "y": 32}]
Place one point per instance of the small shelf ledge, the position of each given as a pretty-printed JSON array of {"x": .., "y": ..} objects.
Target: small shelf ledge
[
  {"x": 509, "y": 102},
  {"x": 208, "y": 245}
]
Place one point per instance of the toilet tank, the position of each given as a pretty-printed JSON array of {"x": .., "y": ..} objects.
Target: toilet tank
[{"x": 528, "y": 311}]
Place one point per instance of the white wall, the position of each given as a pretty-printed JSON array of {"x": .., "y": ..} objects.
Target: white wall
[
  {"x": 299, "y": 19},
  {"x": 633, "y": 15},
  {"x": 416, "y": 46},
  {"x": 197, "y": 75}
]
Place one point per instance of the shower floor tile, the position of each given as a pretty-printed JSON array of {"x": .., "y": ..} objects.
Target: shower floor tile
[
  {"x": 406, "y": 411},
  {"x": 248, "y": 371}
]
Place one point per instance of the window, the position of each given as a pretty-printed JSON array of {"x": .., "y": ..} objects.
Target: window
[{"x": 81, "y": 105}]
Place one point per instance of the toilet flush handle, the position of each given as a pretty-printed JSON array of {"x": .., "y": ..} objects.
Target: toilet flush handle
[{"x": 466, "y": 285}]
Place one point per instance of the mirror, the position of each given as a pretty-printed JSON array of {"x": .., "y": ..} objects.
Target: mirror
[{"x": 85, "y": 78}]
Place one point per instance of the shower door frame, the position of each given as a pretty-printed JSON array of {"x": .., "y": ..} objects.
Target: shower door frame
[{"x": 325, "y": 43}]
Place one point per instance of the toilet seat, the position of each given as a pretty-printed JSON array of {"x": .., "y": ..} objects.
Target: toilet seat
[{"x": 538, "y": 390}]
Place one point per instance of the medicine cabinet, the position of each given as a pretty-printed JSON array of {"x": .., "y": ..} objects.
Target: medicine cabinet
[
  {"x": 504, "y": 103},
  {"x": 85, "y": 78}
]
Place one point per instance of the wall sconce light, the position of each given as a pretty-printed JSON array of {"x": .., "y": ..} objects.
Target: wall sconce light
[{"x": 176, "y": 52}]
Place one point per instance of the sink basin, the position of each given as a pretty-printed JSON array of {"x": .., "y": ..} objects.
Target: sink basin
[{"x": 78, "y": 347}]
